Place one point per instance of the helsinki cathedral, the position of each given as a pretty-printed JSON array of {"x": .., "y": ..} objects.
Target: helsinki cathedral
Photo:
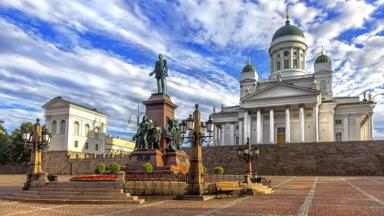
[{"x": 292, "y": 106}]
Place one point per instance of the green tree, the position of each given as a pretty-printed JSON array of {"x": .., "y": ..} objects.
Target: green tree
[
  {"x": 19, "y": 153},
  {"x": 4, "y": 146}
]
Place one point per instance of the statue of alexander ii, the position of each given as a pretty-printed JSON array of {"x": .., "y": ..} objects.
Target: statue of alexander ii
[{"x": 161, "y": 73}]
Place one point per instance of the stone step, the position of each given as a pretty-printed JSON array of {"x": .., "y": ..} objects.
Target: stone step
[
  {"x": 78, "y": 193},
  {"x": 71, "y": 197},
  {"x": 86, "y": 190},
  {"x": 81, "y": 184},
  {"x": 68, "y": 201}
]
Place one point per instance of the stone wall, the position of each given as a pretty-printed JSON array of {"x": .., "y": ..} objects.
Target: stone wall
[
  {"x": 72, "y": 163},
  {"x": 13, "y": 169},
  {"x": 342, "y": 158}
]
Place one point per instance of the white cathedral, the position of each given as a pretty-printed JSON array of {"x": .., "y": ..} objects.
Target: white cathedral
[{"x": 292, "y": 106}]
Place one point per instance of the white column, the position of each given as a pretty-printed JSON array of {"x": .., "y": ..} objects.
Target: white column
[
  {"x": 357, "y": 125},
  {"x": 346, "y": 128},
  {"x": 370, "y": 126},
  {"x": 316, "y": 123},
  {"x": 222, "y": 135},
  {"x": 232, "y": 137},
  {"x": 241, "y": 132},
  {"x": 258, "y": 127},
  {"x": 301, "y": 119},
  {"x": 287, "y": 125},
  {"x": 271, "y": 127},
  {"x": 245, "y": 126}
]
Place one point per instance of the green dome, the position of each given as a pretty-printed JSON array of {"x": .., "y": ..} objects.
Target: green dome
[
  {"x": 249, "y": 67},
  {"x": 323, "y": 59},
  {"x": 288, "y": 29}
]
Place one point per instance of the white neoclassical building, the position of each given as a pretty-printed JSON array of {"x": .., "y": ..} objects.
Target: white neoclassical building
[
  {"x": 75, "y": 128},
  {"x": 292, "y": 106}
]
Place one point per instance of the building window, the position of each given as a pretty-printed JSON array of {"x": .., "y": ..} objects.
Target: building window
[
  {"x": 302, "y": 64},
  {"x": 339, "y": 136},
  {"x": 86, "y": 146},
  {"x": 237, "y": 140},
  {"x": 97, "y": 147},
  {"x": 338, "y": 121},
  {"x": 54, "y": 127},
  {"x": 76, "y": 128},
  {"x": 278, "y": 65},
  {"x": 97, "y": 131},
  {"x": 62, "y": 127},
  {"x": 294, "y": 63},
  {"x": 76, "y": 144},
  {"x": 86, "y": 130},
  {"x": 281, "y": 130},
  {"x": 278, "y": 55},
  {"x": 286, "y": 64}
]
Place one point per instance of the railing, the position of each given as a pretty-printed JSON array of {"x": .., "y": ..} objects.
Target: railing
[
  {"x": 223, "y": 178},
  {"x": 156, "y": 177}
]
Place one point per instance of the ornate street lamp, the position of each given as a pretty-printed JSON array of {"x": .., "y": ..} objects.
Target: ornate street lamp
[
  {"x": 248, "y": 154},
  {"x": 38, "y": 141},
  {"x": 138, "y": 115},
  {"x": 196, "y": 132}
]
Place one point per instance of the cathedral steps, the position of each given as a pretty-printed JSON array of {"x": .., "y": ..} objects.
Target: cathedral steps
[{"x": 76, "y": 192}]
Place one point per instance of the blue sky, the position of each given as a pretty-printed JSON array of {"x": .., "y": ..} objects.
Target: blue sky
[{"x": 99, "y": 53}]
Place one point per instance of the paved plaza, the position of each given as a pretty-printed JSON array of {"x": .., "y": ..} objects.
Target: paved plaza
[{"x": 293, "y": 195}]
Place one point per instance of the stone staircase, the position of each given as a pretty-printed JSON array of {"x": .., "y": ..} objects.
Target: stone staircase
[{"x": 76, "y": 193}]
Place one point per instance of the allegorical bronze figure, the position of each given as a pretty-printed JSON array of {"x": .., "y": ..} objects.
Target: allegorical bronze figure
[{"x": 161, "y": 73}]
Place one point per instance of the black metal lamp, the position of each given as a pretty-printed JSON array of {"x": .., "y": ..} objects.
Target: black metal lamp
[{"x": 190, "y": 123}]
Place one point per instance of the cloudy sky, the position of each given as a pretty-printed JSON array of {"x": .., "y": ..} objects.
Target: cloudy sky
[{"x": 99, "y": 53}]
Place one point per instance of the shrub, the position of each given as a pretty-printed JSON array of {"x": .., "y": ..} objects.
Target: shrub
[
  {"x": 100, "y": 168},
  {"x": 114, "y": 168},
  {"x": 147, "y": 167},
  {"x": 219, "y": 170}
]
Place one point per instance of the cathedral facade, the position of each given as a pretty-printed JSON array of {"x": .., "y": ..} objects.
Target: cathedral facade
[{"x": 292, "y": 106}]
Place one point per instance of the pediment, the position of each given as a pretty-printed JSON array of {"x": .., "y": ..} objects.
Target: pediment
[
  {"x": 280, "y": 90},
  {"x": 56, "y": 103}
]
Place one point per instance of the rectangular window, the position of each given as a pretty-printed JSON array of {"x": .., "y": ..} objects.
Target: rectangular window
[
  {"x": 237, "y": 140},
  {"x": 97, "y": 147},
  {"x": 286, "y": 64},
  {"x": 294, "y": 63},
  {"x": 76, "y": 144},
  {"x": 278, "y": 65},
  {"x": 339, "y": 136},
  {"x": 338, "y": 121},
  {"x": 86, "y": 145},
  {"x": 281, "y": 130}
]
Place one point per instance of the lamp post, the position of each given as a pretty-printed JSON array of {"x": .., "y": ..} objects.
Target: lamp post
[
  {"x": 248, "y": 154},
  {"x": 194, "y": 130},
  {"x": 38, "y": 141},
  {"x": 138, "y": 114}
]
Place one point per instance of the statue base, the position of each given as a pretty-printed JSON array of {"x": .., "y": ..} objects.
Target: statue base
[
  {"x": 35, "y": 180},
  {"x": 168, "y": 163},
  {"x": 177, "y": 162}
]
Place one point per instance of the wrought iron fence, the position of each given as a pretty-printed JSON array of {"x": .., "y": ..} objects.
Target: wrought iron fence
[
  {"x": 156, "y": 177},
  {"x": 223, "y": 178}
]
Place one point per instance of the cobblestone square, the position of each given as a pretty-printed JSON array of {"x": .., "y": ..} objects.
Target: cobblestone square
[{"x": 294, "y": 195}]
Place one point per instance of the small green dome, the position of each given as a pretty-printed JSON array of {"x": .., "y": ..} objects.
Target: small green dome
[
  {"x": 323, "y": 59},
  {"x": 249, "y": 67},
  {"x": 286, "y": 30}
]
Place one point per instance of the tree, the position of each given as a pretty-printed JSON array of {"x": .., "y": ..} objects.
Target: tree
[
  {"x": 4, "y": 145},
  {"x": 19, "y": 153}
]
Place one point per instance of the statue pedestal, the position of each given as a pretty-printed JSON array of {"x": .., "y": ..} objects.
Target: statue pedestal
[
  {"x": 159, "y": 107},
  {"x": 177, "y": 162},
  {"x": 138, "y": 158}
]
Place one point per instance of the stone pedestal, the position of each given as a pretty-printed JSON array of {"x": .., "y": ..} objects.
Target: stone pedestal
[
  {"x": 159, "y": 107},
  {"x": 138, "y": 158},
  {"x": 177, "y": 162},
  {"x": 35, "y": 180}
]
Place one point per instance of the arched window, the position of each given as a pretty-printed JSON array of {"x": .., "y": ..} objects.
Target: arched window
[
  {"x": 86, "y": 130},
  {"x": 323, "y": 86},
  {"x": 97, "y": 131},
  {"x": 76, "y": 128},
  {"x": 54, "y": 127},
  {"x": 62, "y": 127}
]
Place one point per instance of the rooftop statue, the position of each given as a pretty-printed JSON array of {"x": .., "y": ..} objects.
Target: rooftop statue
[{"x": 161, "y": 73}]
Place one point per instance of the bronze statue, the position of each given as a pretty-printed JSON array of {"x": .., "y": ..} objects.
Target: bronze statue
[
  {"x": 174, "y": 136},
  {"x": 148, "y": 136},
  {"x": 161, "y": 73}
]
